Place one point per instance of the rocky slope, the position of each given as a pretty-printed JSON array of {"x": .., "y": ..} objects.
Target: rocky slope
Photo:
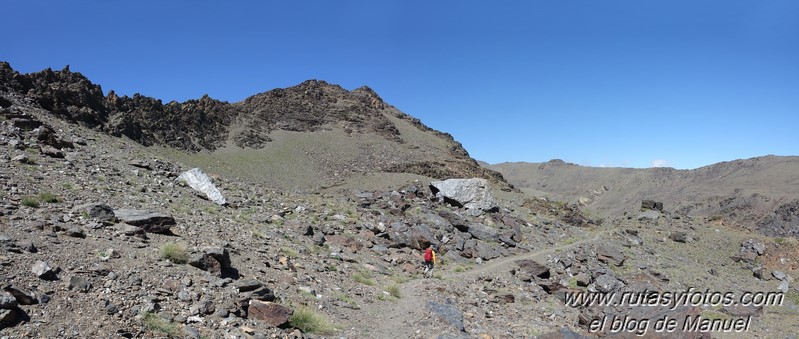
[
  {"x": 209, "y": 124},
  {"x": 99, "y": 238},
  {"x": 757, "y": 194}
]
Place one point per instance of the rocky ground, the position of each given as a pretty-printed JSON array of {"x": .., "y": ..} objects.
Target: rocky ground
[{"x": 99, "y": 238}]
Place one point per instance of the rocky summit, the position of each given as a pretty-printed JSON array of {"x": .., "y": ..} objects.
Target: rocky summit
[{"x": 303, "y": 213}]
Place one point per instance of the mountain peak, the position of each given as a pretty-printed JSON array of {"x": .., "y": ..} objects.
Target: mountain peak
[{"x": 209, "y": 124}]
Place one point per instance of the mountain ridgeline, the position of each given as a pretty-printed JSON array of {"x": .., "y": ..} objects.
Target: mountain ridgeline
[
  {"x": 760, "y": 194},
  {"x": 384, "y": 139}
]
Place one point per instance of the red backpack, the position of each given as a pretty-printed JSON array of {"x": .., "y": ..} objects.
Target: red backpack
[{"x": 428, "y": 254}]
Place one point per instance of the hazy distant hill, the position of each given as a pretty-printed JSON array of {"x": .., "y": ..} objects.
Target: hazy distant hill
[
  {"x": 761, "y": 193},
  {"x": 308, "y": 135}
]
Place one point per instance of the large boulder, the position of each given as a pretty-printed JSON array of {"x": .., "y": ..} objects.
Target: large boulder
[
  {"x": 607, "y": 283},
  {"x": 213, "y": 259},
  {"x": 483, "y": 232},
  {"x": 152, "y": 222},
  {"x": 473, "y": 194},
  {"x": 99, "y": 211},
  {"x": 610, "y": 255},
  {"x": 530, "y": 269},
  {"x": 421, "y": 236},
  {"x": 268, "y": 312},
  {"x": 202, "y": 183}
]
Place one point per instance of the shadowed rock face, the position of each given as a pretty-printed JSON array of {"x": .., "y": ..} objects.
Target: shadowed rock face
[{"x": 208, "y": 124}]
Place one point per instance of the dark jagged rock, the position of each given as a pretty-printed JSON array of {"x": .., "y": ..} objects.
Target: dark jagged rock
[
  {"x": 652, "y": 205},
  {"x": 152, "y": 222},
  {"x": 529, "y": 270}
]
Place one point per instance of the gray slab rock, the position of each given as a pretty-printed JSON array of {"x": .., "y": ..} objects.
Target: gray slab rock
[
  {"x": 152, "y": 222},
  {"x": 202, "y": 183},
  {"x": 447, "y": 313},
  {"x": 473, "y": 194},
  {"x": 607, "y": 283},
  {"x": 80, "y": 284},
  {"x": 98, "y": 211},
  {"x": 483, "y": 232},
  {"x": 649, "y": 215}
]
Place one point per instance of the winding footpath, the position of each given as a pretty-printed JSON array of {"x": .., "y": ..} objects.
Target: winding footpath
[{"x": 398, "y": 319}]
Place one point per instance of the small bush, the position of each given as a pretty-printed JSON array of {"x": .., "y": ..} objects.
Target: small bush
[
  {"x": 345, "y": 298},
  {"x": 307, "y": 320},
  {"x": 30, "y": 202},
  {"x": 154, "y": 323},
  {"x": 394, "y": 291},
  {"x": 48, "y": 197},
  {"x": 363, "y": 278},
  {"x": 289, "y": 252},
  {"x": 174, "y": 253}
]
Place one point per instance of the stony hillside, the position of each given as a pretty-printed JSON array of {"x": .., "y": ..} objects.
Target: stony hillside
[
  {"x": 759, "y": 194},
  {"x": 102, "y": 236},
  {"x": 380, "y": 137}
]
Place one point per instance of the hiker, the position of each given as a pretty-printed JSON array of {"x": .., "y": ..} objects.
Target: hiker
[{"x": 429, "y": 261}]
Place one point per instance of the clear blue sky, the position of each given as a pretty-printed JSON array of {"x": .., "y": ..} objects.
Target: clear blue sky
[{"x": 601, "y": 83}]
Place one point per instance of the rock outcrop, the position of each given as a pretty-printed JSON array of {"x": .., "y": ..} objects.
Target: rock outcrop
[{"x": 472, "y": 194}]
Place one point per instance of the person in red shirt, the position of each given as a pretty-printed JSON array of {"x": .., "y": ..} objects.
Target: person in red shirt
[{"x": 429, "y": 261}]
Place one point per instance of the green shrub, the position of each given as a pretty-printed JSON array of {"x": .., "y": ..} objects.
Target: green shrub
[
  {"x": 48, "y": 197},
  {"x": 30, "y": 202},
  {"x": 155, "y": 323},
  {"x": 289, "y": 252},
  {"x": 394, "y": 291},
  {"x": 174, "y": 253},
  {"x": 363, "y": 278},
  {"x": 307, "y": 320}
]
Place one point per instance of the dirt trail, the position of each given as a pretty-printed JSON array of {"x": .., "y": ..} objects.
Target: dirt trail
[{"x": 400, "y": 319}]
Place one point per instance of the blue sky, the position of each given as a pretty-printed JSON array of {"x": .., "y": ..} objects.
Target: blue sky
[{"x": 600, "y": 83}]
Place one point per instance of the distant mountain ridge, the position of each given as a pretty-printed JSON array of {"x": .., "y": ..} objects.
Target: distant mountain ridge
[
  {"x": 759, "y": 193},
  {"x": 207, "y": 124}
]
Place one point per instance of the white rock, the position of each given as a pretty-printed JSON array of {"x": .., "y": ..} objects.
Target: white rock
[{"x": 200, "y": 182}]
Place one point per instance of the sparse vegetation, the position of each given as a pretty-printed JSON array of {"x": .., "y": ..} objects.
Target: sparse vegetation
[
  {"x": 48, "y": 197},
  {"x": 155, "y": 323},
  {"x": 30, "y": 202},
  {"x": 792, "y": 296},
  {"x": 175, "y": 253},
  {"x": 462, "y": 268},
  {"x": 394, "y": 291},
  {"x": 363, "y": 278},
  {"x": 307, "y": 320},
  {"x": 289, "y": 252},
  {"x": 345, "y": 298}
]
